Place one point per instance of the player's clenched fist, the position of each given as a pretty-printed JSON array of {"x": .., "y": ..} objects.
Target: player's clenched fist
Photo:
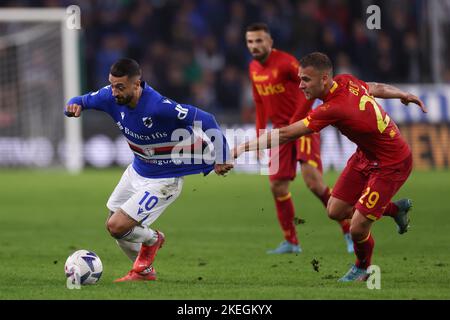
[{"x": 73, "y": 110}]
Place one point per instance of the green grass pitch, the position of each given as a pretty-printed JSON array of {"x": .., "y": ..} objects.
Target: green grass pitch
[{"x": 217, "y": 234}]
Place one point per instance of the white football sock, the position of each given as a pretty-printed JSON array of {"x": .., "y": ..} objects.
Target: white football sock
[
  {"x": 141, "y": 234},
  {"x": 131, "y": 249}
]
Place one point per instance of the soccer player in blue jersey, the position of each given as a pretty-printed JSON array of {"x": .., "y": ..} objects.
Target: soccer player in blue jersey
[{"x": 163, "y": 137}]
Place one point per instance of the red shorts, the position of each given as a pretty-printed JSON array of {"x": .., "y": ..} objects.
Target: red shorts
[
  {"x": 369, "y": 188},
  {"x": 283, "y": 162},
  {"x": 308, "y": 150}
]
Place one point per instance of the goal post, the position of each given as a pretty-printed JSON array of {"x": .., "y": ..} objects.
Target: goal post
[{"x": 23, "y": 29}]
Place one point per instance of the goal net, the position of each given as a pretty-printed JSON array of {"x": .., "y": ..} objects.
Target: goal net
[{"x": 39, "y": 71}]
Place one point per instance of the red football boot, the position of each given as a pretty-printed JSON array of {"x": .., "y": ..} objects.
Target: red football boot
[
  {"x": 149, "y": 275},
  {"x": 147, "y": 254}
]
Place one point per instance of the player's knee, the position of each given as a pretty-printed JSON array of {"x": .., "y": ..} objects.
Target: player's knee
[
  {"x": 357, "y": 232},
  {"x": 333, "y": 213},
  {"x": 115, "y": 228},
  {"x": 337, "y": 210},
  {"x": 279, "y": 188}
]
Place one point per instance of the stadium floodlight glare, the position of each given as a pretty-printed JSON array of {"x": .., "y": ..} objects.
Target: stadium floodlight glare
[{"x": 29, "y": 35}]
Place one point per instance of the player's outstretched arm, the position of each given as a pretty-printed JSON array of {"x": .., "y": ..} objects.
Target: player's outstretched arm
[
  {"x": 386, "y": 91},
  {"x": 98, "y": 100},
  {"x": 273, "y": 138}
]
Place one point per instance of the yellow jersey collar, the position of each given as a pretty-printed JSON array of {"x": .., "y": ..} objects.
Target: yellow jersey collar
[{"x": 333, "y": 87}]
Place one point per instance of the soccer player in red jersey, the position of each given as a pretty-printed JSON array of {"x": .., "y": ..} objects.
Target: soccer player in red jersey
[
  {"x": 378, "y": 168},
  {"x": 275, "y": 81}
]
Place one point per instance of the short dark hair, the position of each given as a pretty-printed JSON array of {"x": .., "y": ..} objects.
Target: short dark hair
[
  {"x": 258, "y": 26},
  {"x": 317, "y": 60},
  {"x": 125, "y": 67}
]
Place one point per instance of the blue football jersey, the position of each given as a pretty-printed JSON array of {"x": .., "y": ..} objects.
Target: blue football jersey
[{"x": 161, "y": 133}]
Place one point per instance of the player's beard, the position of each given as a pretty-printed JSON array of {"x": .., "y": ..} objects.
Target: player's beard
[
  {"x": 307, "y": 95},
  {"x": 260, "y": 56},
  {"x": 123, "y": 100}
]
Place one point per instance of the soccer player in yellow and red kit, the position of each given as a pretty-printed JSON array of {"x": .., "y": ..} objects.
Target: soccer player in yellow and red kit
[
  {"x": 379, "y": 167},
  {"x": 275, "y": 81}
]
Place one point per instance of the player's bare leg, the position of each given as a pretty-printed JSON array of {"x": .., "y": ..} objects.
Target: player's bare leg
[
  {"x": 338, "y": 209},
  {"x": 122, "y": 227},
  {"x": 285, "y": 213},
  {"x": 364, "y": 244},
  {"x": 314, "y": 181},
  {"x": 119, "y": 224}
]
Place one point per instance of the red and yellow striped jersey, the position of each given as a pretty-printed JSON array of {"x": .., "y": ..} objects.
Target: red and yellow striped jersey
[{"x": 349, "y": 107}]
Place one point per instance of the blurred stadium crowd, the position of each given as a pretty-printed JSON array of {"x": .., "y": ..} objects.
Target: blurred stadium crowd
[{"x": 194, "y": 51}]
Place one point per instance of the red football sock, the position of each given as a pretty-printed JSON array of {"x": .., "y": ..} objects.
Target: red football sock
[
  {"x": 391, "y": 210},
  {"x": 286, "y": 213},
  {"x": 363, "y": 250},
  {"x": 345, "y": 225}
]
